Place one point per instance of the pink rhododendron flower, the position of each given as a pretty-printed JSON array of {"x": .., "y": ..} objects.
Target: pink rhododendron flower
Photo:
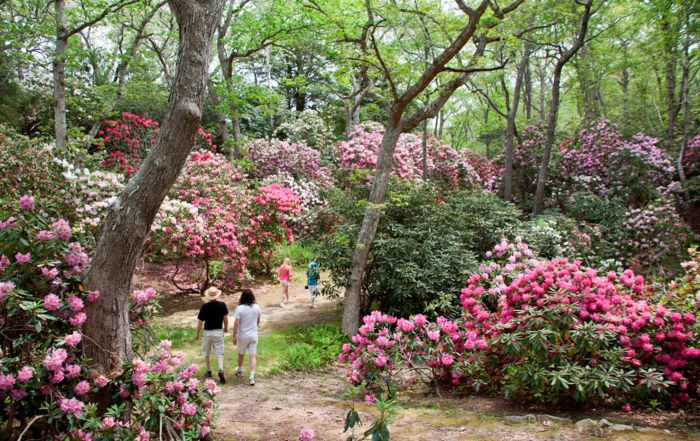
[
  {"x": 7, "y": 382},
  {"x": 54, "y": 360},
  {"x": 71, "y": 406},
  {"x": 82, "y": 388},
  {"x": 306, "y": 434},
  {"x": 73, "y": 339},
  {"x": 21, "y": 259},
  {"x": 26, "y": 202},
  {"x": 25, "y": 374}
]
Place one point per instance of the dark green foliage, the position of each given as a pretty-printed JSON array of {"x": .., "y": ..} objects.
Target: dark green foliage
[
  {"x": 608, "y": 214},
  {"x": 426, "y": 247}
]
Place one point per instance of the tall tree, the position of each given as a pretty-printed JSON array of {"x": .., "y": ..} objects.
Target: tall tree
[
  {"x": 140, "y": 35},
  {"x": 401, "y": 119},
  {"x": 564, "y": 57},
  {"x": 129, "y": 218},
  {"x": 64, "y": 31}
]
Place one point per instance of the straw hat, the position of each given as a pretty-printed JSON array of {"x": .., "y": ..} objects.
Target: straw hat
[{"x": 212, "y": 293}]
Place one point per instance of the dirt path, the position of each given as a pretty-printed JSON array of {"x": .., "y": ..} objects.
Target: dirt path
[{"x": 277, "y": 407}]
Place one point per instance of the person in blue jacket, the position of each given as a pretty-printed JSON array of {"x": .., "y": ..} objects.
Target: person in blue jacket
[{"x": 312, "y": 275}]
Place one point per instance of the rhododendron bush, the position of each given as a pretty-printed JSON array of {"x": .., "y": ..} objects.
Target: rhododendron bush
[
  {"x": 128, "y": 140},
  {"x": 44, "y": 378},
  {"x": 444, "y": 164},
  {"x": 211, "y": 216},
  {"x": 601, "y": 161},
  {"x": 272, "y": 157},
  {"x": 547, "y": 330}
]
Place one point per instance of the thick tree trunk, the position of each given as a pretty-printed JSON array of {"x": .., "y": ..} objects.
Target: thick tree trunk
[
  {"x": 510, "y": 125},
  {"x": 554, "y": 109},
  {"x": 59, "y": 76},
  {"x": 368, "y": 230},
  {"x": 129, "y": 219}
]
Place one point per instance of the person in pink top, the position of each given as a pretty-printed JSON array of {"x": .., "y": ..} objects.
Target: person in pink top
[{"x": 285, "y": 275}]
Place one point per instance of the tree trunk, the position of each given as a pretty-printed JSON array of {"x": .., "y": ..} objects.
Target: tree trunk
[
  {"x": 685, "y": 89},
  {"x": 670, "y": 55},
  {"x": 59, "y": 76},
  {"x": 130, "y": 217},
  {"x": 424, "y": 146},
  {"x": 368, "y": 230},
  {"x": 554, "y": 109},
  {"x": 218, "y": 115},
  {"x": 527, "y": 93},
  {"x": 510, "y": 125}
]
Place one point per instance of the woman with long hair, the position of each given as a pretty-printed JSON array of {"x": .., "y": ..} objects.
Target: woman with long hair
[
  {"x": 245, "y": 331},
  {"x": 285, "y": 276}
]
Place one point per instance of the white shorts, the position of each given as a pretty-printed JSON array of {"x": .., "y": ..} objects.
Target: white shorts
[
  {"x": 284, "y": 282},
  {"x": 213, "y": 339},
  {"x": 313, "y": 290},
  {"x": 251, "y": 344}
]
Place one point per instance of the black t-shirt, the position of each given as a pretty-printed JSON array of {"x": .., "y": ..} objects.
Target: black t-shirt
[{"x": 212, "y": 314}]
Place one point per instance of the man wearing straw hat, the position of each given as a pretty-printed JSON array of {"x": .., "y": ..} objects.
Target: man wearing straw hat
[{"x": 213, "y": 315}]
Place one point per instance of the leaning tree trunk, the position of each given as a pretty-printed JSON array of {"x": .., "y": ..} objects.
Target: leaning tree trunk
[
  {"x": 368, "y": 229},
  {"x": 129, "y": 219},
  {"x": 59, "y": 76}
]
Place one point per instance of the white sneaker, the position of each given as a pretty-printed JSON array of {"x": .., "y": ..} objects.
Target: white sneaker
[
  {"x": 252, "y": 382},
  {"x": 239, "y": 371}
]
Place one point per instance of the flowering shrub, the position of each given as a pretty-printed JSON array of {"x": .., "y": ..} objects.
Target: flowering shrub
[
  {"x": 555, "y": 235},
  {"x": 444, "y": 164},
  {"x": 602, "y": 162},
  {"x": 128, "y": 140},
  {"x": 92, "y": 193},
  {"x": 307, "y": 126},
  {"x": 548, "y": 330},
  {"x": 691, "y": 157},
  {"x": 308, "y": 221},
  {"x": 44, "y": 379},
  {"x": 30, "y": 168},
  {"x": 273, "y": 157},
  {"x": 654, "y": 236},
  {"x": 198, "y": 222}
]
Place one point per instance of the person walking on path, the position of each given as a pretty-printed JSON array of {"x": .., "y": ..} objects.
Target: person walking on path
[
  {"x": 312, "y": 276},
  {"x": 285, "y": 275},
  {"x": 213, "y": 315},
  {"x": 245, "y": 331}
]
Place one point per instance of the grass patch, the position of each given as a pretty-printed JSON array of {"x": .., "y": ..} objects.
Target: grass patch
[
  {"x": 295, "y": 348},
  {"x": 300, "y": 254}
]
